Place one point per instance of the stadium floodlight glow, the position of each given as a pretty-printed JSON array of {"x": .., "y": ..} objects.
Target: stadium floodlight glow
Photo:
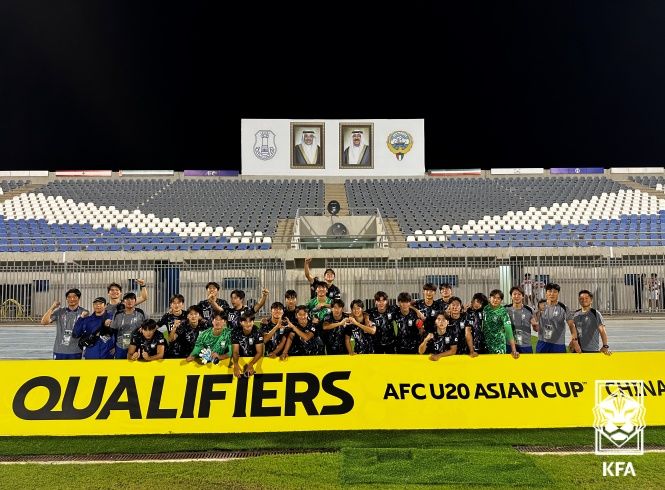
[{"x": 333, "y": 207}]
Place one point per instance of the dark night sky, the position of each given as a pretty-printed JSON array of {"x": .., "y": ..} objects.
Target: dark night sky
[{"x": 147, "y": 84}]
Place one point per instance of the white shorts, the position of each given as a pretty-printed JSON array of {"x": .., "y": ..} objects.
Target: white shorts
[{"x": 654, "y": 295}]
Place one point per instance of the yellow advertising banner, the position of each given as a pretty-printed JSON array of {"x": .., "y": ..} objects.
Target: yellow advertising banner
[{"x": 318, "y": 393}]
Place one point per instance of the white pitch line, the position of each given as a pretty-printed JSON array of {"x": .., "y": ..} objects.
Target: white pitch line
[
  {"x": 187, "y": 460},
  {"x": 573, "y": 453}
]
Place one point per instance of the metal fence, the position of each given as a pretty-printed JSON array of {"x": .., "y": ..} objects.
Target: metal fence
[{"x": 620, "y": 285}]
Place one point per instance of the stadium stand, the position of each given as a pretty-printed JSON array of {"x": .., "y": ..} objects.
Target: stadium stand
[
  {"x": 10, "y": 185},
  {"x": 652, "y": 181},
  {"x": 233, "y": 214},
  {"x": 515, "y": 211},
  {"x": 152, "y": 214}
]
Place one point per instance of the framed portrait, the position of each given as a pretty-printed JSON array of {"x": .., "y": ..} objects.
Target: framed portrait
[
  {"x": 356, "y": 145},
  {"x": 307, "y": 145}
]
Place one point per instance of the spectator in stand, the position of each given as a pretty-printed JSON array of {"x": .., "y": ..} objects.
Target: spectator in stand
[
  {"x": 527, "y": 288},
  {"x": 96, "y": 339},
  {"x": 653, "y": 286},
  {"x": 638, "y": 285},
  {"x": 538, "y": 290},
  {"x": 65, "y": 346}
]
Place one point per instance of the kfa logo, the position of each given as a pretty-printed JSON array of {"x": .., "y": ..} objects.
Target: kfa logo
[
  {"x": 264, "y": 144},
  {"x": 619, "y": 417},
  {"x": 618, "y": 468}
]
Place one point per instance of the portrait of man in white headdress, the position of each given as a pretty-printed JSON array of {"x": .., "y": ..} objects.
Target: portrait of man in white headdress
[
  {"x": 357, "y": 144},
  {"x": 307, "y": 146}
]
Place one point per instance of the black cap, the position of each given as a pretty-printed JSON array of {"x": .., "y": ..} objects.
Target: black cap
[
  {"x": 129, "y": 296},
  {"x": 100, "y": 299}
]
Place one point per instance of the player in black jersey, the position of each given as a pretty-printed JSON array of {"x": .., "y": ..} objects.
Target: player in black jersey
[
  {"x": 238, "y": 307},
  {"x": 360, "y": 330},
  {"x": 303, "y": 339},
  {"x": 333, "y": 328},
  {"x": 473, "y": 331},
  {"x": 274, "y": 330},
  {"x": 428, "y": 307},
  {"x": 247, "y": 342},
  {"x": 382, "y": 316},
  {"x": 182, "y": 338},
  {"x": 147, "y": 343},
  {"x": 329, "y": 276},
  {"x": 212, "y": 304},
  {"x": 175, "y": 316},
  {"x": 290, "y": 303},
  {"x": 410, "y": 324},
  {"x": 457, "y": 320},
  {"x": 446, "y": 290},
  {"x": 443, "y": 341}
]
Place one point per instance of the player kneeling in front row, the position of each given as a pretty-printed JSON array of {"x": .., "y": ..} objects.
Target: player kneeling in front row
[
  {"x": 213, "y": 344},
  {"x": 247, "y": 342},
  {"x": 147, "y": 343},
  {"x": 182, "y": 338},
  {"x": 303, "y": 338},
  {"x": 443, "y": 341}
]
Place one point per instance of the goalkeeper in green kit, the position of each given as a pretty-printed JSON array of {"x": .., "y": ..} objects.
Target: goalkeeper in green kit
[
  {"x": 214, "y": 344},
  {"x": 496, "y": 327}
]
